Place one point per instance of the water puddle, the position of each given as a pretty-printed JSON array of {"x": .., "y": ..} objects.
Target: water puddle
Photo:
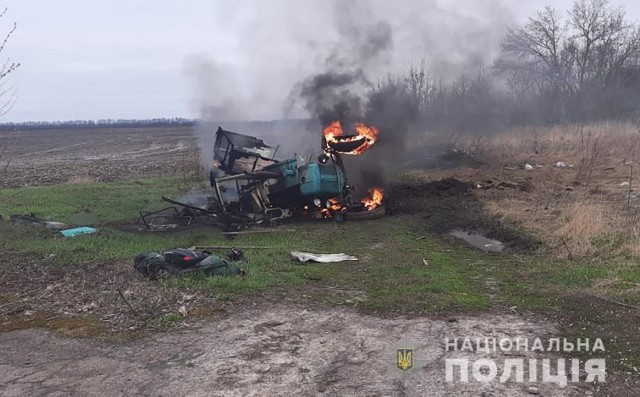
[{"x": 478, "y": 240}]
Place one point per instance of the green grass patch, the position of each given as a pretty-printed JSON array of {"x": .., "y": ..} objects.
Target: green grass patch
[
  {"x": 109, "y": 201},
  {"x": 391, "y": 274},
  {"x": 582, "y": 275}
]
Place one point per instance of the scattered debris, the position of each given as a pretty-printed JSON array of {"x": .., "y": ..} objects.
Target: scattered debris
[
  {"x": 34, "y": 220},
  {"x": 525, "y": 166},
  {"x": 183, "y": 311},
  {"x": 164, "y": 219},
  {"x": 78, "y": 231},
  {"x": 425, "y": 261},
  {"x": 236, "y": 255},
  {"x": 486, "y": 184},
  {"x": 156, "y": 265},
  {"x": 322, "y": 258},
  {"x": 250, "y": 186},
  {"x": 479, "y": 241}
]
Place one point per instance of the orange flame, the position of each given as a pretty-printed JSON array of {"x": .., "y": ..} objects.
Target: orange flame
[
  {"x": 334, "y": 133},
  {"x": 375, "y": 200},
  {"x": 335, "y": 204},
  {"x": 333, "y": 207}
]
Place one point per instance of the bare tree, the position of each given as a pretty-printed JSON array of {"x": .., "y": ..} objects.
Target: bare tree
[
  {"x": 581, "y": 64},
  {"x": 8, "y": 67},
  {"x": 532, "y": 54},
  {"x": 578, "y": 66},
  {"x": 7, "y": 97},
  {"x": 420, "y": 85}
]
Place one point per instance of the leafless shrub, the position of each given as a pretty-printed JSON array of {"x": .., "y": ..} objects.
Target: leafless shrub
[
  {"x": 5, "y": 160},
  {"x": 7, "y": 97},
  {"x": 592, "y": 152}
]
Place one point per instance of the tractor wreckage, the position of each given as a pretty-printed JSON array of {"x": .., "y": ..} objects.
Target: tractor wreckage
[{"x": 250, "y": 187}]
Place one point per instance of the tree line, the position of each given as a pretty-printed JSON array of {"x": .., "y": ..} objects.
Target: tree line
[
  {"x": 157, "y": 122},
  {"x": 578, "y": 66}
]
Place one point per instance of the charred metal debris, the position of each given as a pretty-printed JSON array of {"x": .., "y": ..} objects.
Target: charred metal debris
[{"x": 249, "y": 186}]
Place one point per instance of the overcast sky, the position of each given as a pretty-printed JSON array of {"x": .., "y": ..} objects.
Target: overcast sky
[{"x": 159, "y": 58}]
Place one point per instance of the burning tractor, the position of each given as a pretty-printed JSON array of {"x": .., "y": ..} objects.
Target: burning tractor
[{"x": 251, "y": 187}]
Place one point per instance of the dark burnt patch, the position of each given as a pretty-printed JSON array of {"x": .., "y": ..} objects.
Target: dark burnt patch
[{"x": 450, "y": 204}]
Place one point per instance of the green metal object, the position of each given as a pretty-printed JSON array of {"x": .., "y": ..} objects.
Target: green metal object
[{"x": 321, "y": 180}]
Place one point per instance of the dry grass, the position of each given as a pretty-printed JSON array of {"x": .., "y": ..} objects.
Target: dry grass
[
  {"x": 632, "y": 247},
  {"x": 575, "y": 229},
  {"x": 581, "y": 210},
  {"x": 74, "y": 179},
  {"x": 583, "y": 223}
]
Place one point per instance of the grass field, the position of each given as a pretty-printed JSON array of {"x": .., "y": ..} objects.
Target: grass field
[
  {"x": 392, "y": 252},
  {"x": 402, "y": 267}
]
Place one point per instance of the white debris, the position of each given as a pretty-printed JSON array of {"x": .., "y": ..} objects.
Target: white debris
[
  {"x": 183, "y": 311},
  {"x": 624, "y": 184},
  {"x": 561, "y": 164},
  {"x": 323, "y": 258},
  {"x": 528, "y": 167}
]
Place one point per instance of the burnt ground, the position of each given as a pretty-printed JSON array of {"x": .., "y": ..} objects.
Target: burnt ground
[
  {"x": 448, "y": 204},
  {"x": 248, "y": 346}
]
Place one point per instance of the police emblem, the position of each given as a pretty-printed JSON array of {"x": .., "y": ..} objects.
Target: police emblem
[{"x": 404, "y": 359}]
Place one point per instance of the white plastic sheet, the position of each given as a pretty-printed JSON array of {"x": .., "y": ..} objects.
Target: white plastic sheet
[{"x": 322, "y": 258}]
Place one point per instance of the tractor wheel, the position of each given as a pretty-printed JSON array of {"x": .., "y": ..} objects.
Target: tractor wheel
[
  {"x": 365, "y": 215},
  {"x": 164, "y": 271},
  {"x": 154, "y": 267}
]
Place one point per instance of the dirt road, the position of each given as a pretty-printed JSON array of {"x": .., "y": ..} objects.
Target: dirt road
[{"x": 285, "y": 350}]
